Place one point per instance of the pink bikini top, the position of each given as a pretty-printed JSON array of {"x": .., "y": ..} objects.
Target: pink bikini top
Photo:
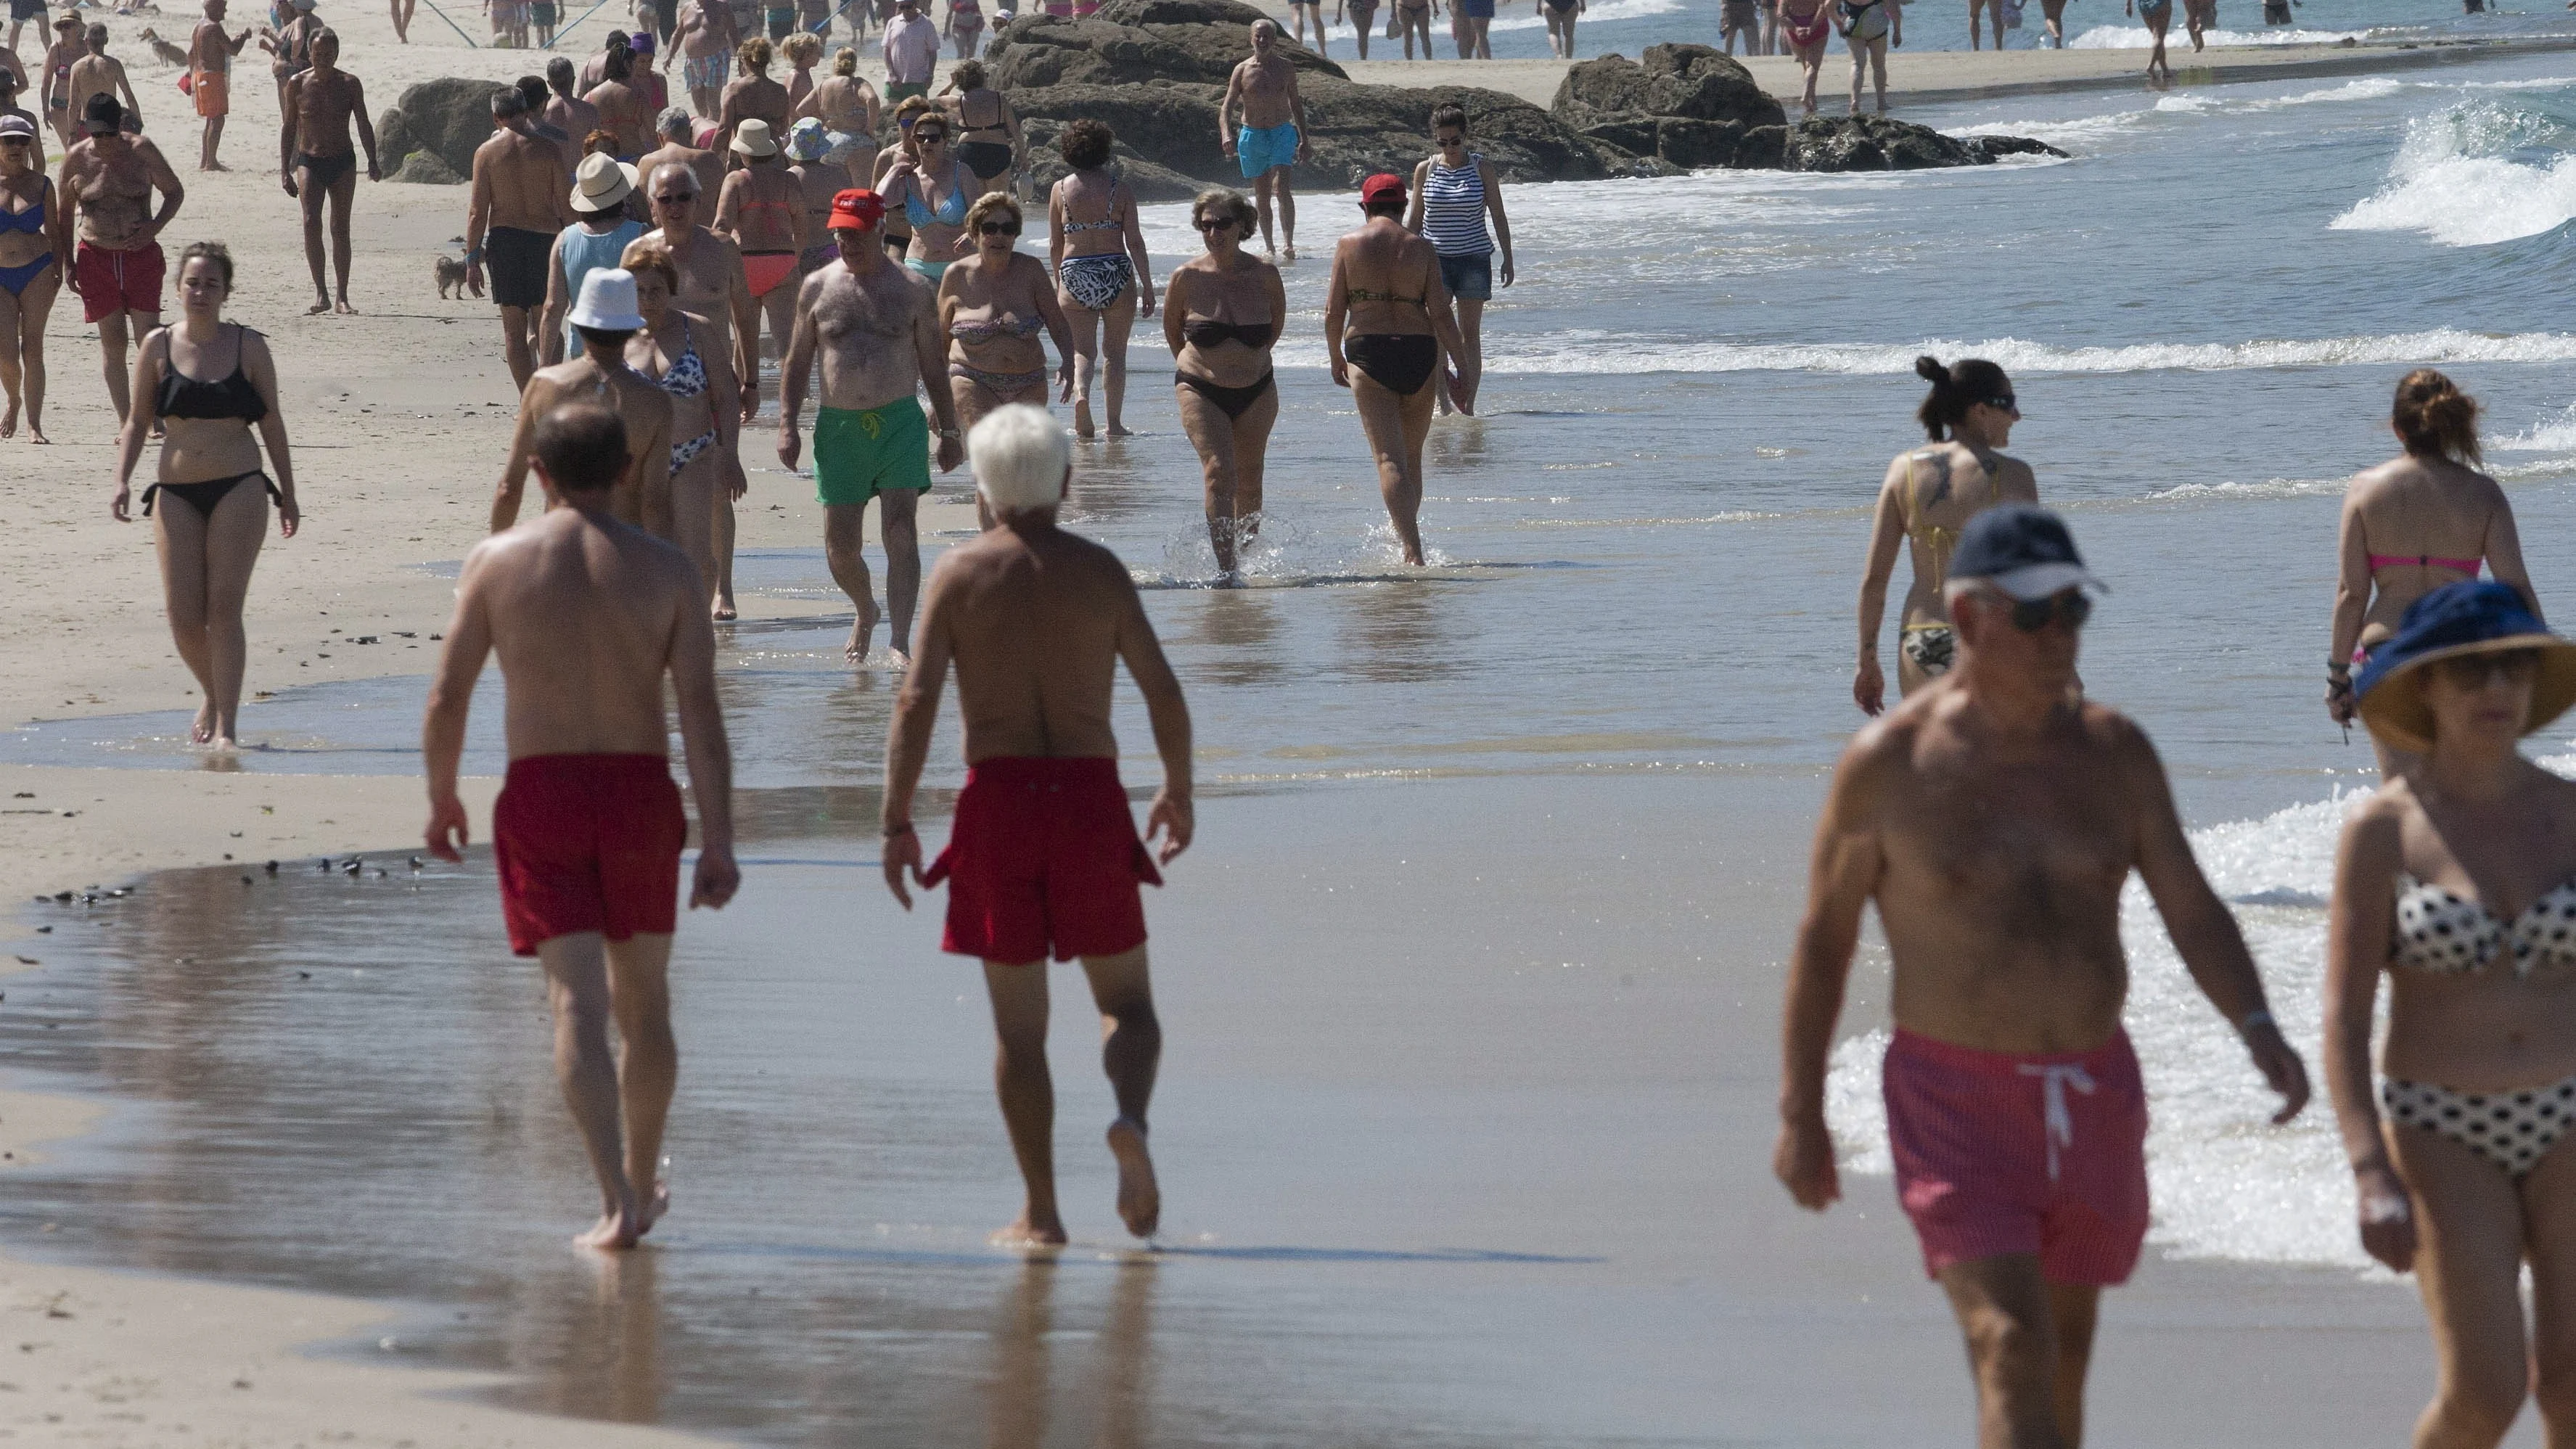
[{"x": 2467, "y": 566}]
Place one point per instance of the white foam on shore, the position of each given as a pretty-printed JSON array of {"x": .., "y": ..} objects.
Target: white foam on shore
[
  {"x": 2135, "y": 37},
  {"x": 2553, "y": 434},
  {"x": 2455, "y": 180},
  {"x": 2225, "y": 1182},
  {"x": 2268, "y": 488},
  {"x": 1602, "y": 353}
]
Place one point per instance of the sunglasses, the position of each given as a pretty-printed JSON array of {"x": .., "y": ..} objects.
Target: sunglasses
[
  {"x": 929, "y": 138},
  {"x": 1000, "y": 228},
  {"x": 2032, "y": 615},
  {"x": 1446, "y": 142},
  {"x": 2472, "y": 671},
  {"x": 2002, "y": 402},
  {"x": 679, "y": 199},
  {"x": 1213, "y": 223}
]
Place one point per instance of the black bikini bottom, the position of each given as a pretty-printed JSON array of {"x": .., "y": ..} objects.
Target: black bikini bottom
[
  {"x": 987, "y": 159},
  {"x": 204, "y": 496},
  {"x": 1234, "y": 402},
  {"x": 1400, "y": 362},
  {"x": 321, "y": 171}
]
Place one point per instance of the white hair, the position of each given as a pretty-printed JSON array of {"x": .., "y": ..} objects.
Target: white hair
[{"x": 1021, "y": 456}]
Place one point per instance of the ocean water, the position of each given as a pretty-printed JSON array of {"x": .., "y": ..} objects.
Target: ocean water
[{"x": 1645, "y": 552}]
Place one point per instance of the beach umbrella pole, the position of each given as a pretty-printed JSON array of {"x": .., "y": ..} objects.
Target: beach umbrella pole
[{"x": 452, "y": 25}]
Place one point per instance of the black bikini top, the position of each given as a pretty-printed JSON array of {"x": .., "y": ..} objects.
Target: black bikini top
[
  {"x": 182, "y": 396},
  {"x": 1208, "y": 332}
]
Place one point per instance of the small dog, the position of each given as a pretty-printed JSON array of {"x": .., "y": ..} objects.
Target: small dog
[
  {"x": 164, "y": 51},
  {"x": 451, "y": 274}
]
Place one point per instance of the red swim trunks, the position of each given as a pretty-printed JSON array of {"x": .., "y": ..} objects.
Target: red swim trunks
[
  {"x": 1043, "y": 851},
  {"x": 113, "y": 281},
  {"x": 588, "y": 843},
  {"x": 2021, "y": 1154}
]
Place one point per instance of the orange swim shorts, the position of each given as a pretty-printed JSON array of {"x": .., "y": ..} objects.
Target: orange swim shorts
[{"x": 213, "y": 92}]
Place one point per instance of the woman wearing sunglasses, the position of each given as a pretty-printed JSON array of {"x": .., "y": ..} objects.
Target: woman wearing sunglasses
[
  {"x": 1453, "y": 194},
  {"x": 32, "y": 231},
  {"x": 2422, "y": 520},
  {"x": 992, "y": 306},
  {"x": 1221, "y": 317},
  {"x": 898, "y": 226},
  {"x": 2457, "y": 882},
  {"x": 712, "y": 286},
  {"x": 1928, "y": 496},
  {"x": 934, "y": 189}
]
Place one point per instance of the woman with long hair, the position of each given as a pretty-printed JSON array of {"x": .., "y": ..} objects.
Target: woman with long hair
[
  {"x": 32, "y": 231},
  {"x": 212, "y": 388},
  {"x": 2457, "y": 882},
  {"x": 1221, "y": 318},
  {"x": 1454, "y": 195},
  {"x": 1929, "y": 495},
  {"x": 1097, "y": 247},
  {"x": 699, "y": 379},
  {"x": 992, "y": 306},
  {"x": 988, "y": 130},
  {"x": 2423, "y": 519},
  {"x": 1387, "y": 324}
]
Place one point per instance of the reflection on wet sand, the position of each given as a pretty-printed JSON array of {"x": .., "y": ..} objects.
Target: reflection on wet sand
[
  {"x": 1240, "y": 628},
  {"x": 1112, "y": 1387},
  {"x": 1401, "y": 634}
]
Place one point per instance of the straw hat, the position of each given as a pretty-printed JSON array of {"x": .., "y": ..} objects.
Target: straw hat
[
  {"x": 2457, "y": 619},
  {"x": 752, "y": 138},
  {"x": 602, "y": 184},
  {"x": 608, "y": 302}
]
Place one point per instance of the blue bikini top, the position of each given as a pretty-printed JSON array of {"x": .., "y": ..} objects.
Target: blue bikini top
[
  {"x": 32, "y": 220},
  {"x": 951, "y": 212}
]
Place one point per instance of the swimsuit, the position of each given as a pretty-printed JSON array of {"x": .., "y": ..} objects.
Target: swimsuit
[
  {"x": 688, "y": 378},
  {"x": 212, "y": 91},
  {"x": 1809, "y": 32},
  {"x": 2467, "y": 566},
  {"x": 986, "y": 158},
  {"x": 1234, "y": 402},
  {"x": 516, "y": 258},
  {"x": 930, "y": 269},
  {"x": 113, "y": 281},
  {"x": 763, "y": 271},
  {"x": 1866, "y": 22},
  {"x": 1097, "y": 281},
  {"x": 705, "y": 72},
  {"x": 951, "y": 212},
  {"x": 1001, "y": 384},
  {"x": 32, "y": 222},
  {"x": 2001, "y": 1153},
  {"x": 1931, "y": 643},
  {"x": 232, "y": 396},
  {"x": 859, "y": 454},
  {"x": 976, "y": 334},
  {"x": 588, "y": 843},
  {"x": 585, "y": 251},
  {"x": 322, "y": 171},
  {"x": 1043, "y": 852},
  {"x": 2439, "y": 932},
  {"x": 1400, "y": 362},
  {"x": 1261, "y": 151},
  {"x": 2156, "y": 10}
]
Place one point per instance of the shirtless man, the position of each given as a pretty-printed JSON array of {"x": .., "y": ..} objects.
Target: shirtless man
[
  {"x": 564, "y": 110},
  {"x": 210, "y": 79},
  {"x": 98, "y": 73},
  {"x": 105, "y": 186},
  {"x": 1994, "y": 817},
  {"x": 315, "y": 161},
  {"x": 1273, "y": 133},
  {"x": 589, "y": 615},
  {"x": 1037, "y": 621},
  {"x": 705, "y": 50},
  {"x": 517, "y": 205},
  {"x": 676, "y": 131},
  {"x": 604, "y": 318},
  {"x": 876, "y": 328}
]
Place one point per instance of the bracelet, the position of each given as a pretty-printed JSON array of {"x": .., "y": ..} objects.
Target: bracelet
[
  {"x": 474, "y": 257},
  {"x": 2253, "y": 1019},
  {"x": 2337, "y": 669},
  {"x": 890, "y": 832}
]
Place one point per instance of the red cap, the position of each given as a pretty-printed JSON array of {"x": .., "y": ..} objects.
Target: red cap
[
  {"x": 857, "y": 208},
  {"x": 1380, "y": 186}
]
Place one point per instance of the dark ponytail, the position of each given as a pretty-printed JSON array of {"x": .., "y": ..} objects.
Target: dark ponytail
[
  {"x": 1955, "y": 389},
  {"x": 2435, "y": 418}
]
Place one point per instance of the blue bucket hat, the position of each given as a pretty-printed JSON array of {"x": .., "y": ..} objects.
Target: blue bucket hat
[
  {"x": 2023, "y": 550},
  {"x": 2463, "y": 618}
]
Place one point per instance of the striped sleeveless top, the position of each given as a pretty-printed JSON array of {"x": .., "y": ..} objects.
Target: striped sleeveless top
[{"x": 1453, "y": 209}]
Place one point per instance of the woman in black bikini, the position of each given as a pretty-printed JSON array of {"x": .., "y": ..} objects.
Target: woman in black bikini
[
  {"x": 208, "y": 385},
  {"x": 990, "y": 146},
  {"x": 1386, "y": 293},
  {"x": 1221, "y": 316}
]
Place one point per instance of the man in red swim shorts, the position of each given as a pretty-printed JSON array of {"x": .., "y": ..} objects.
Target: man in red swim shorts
[
  {"x": 1994, "y": 818},
  {"x": 588, "y": 615},
  {"x": 1043, "y": 855}
]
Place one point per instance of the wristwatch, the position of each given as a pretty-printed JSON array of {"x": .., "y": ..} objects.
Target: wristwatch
[{"x": 950, "y": 433}]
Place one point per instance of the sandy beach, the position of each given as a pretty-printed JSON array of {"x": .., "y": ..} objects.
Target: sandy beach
[{"x": 399, "y": 416}]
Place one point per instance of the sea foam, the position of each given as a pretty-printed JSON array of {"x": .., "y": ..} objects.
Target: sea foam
[
  {"x": 2135, "y": 37},
  {"x": 2472, "y": 174}
]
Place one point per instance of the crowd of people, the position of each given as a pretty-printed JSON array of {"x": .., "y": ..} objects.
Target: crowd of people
[{"x": 1992, "y": 815}]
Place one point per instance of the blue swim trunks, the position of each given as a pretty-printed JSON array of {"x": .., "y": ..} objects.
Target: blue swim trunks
[{"x": 1260, "y": 150}]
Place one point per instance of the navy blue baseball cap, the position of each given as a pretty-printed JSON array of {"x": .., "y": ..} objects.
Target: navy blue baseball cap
[
  {"x": 2469, "y": 617},
  {"x": 2021, "y": 549}
]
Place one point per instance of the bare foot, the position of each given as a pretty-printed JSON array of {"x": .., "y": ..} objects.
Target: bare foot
[
  {"x": 1025, "y": 1234},
  {"x": 902, "y": 657},
  {"x": 723, "y": 613},
  {"x": 9, "y": 422},
  {"x": 1288, "y": 255},
  {"x": 856, "y": 651},
  {"x": 654, "y": 1207},
  {"x": 1119, "y": 430},
  {"x": 203, "y": 731},
  {"x": 320, "y": 306},
  {"x": 614, "y": 1232},
  {"x": 1140, "y": 1201},
  {"x": 1082, "y": 418},
  {"x": 36, "y": 434}
]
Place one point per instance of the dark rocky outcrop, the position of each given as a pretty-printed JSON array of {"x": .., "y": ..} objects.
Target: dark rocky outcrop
[
  {"x": 444, "y": 119},
  {"x": 1883, "y": 143},
  {"x": 1154, "y": 71},
  {"x": 1693, "y": 82},
  {"x": 1995, "y": 148}
]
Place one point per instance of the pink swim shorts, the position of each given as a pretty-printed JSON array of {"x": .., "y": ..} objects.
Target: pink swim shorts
[{"x": 1999, "y": 1154}]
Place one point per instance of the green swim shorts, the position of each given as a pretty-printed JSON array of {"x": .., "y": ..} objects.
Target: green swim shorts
[{"x": 858, "y": 455}]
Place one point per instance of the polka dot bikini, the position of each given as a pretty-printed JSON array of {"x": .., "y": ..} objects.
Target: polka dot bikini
[{"x": 2439, "y": 931}]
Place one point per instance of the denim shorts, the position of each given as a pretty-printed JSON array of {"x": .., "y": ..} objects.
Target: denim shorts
[{"x": 1469, "y": 279}]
